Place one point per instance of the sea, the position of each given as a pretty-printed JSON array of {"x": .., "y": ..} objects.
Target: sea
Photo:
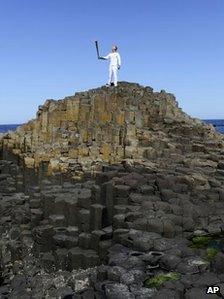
[
  {"x": 6, "y": 128},
  {"x": 217, "y": 123}
]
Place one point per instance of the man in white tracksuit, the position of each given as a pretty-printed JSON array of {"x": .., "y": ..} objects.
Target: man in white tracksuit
[{"x": 115, "y": 64}]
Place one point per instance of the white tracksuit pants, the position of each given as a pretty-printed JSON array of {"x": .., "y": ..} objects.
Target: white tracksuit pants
[{"x": 113, "y": 74}]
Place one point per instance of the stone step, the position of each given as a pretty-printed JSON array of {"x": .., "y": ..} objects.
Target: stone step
[
  {"x": 57, "y": 220},
  {"x": 63, "y": 241},
  {"x": 71, "y": 231},
  {"x": 69, "y": 259},
  {"x": 81, "y": 258},
  {"x": 36, "y": 216}
]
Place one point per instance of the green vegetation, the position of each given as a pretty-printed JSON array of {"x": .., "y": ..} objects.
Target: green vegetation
[
  {"x": 158, "y": 280},
  {"x": 201, "y": 242},
  {"x": 211, "y": 243},
  {"x": 211, "y": 253}
]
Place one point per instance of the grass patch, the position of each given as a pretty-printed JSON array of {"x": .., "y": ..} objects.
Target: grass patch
[
  {"x": 201, "y": 242},
  {"x": 211, "y": 253},
  {"x": 211, "y": 243},
  {"x": 158, "y": 280}
]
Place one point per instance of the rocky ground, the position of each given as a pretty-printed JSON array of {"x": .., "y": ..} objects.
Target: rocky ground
[
  {"x": 129, "y": 232},
  {"x": 112, "y": 193}
]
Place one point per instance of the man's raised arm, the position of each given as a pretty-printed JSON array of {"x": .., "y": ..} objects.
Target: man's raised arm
[{"x": 105, "y": 57}]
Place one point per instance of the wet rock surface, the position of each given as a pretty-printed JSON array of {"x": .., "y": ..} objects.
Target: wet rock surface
[{"x": 147, "y": 227}]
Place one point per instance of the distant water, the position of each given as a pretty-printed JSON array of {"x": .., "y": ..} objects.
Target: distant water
[
  {"x": 6, "y": 128},
  {"x": 217, "y": 123}
]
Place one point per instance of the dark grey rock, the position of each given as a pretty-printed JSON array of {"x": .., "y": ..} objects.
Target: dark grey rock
[
  {"x": 155, "y": 225},
  {"x": 199, "y": 293},
  {"x": 102, "y": 272},
  {"x": 118, "y": 291},
  {"x": 192, "y": 265},
  {"x": 84, "y": 240},
  {"x": 169, "y": 262},
  {"x": 122, "y": 190},
  {"x": 75, "y": 258},
  {"x": 48, "y": 261},
  {"x": 61, "y": 258},
  {"x": 83, "y": 220},
  {"x": 133, "y": 277},
  {"x": 143, "y": 293},
  {"x": 84, "y": 198},
  {"x": 206, "y": 279},
  {"x": 96, "y": 216},
  {"x": 115, "y": 273},
  {"x": 166, "y": 293},
  {"x": 218, "y": 263}
]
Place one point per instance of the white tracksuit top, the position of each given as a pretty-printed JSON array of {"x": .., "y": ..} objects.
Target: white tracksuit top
[{"x": 115, "y": 59}]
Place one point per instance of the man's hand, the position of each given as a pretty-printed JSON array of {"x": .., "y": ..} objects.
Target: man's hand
[
  {"x": 101, "y": 58},
  {"x": 119, "y": 67}
]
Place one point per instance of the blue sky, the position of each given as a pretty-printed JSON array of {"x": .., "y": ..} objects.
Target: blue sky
[{"x": 47, "y": 51}]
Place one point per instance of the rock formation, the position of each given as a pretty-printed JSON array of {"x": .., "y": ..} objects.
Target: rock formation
[
  {"x": 109, "y": 125},
  {"x": 112, "y": 193}
]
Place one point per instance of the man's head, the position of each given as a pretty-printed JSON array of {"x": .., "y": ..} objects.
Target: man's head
[{"x": 114, "y": 48}]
